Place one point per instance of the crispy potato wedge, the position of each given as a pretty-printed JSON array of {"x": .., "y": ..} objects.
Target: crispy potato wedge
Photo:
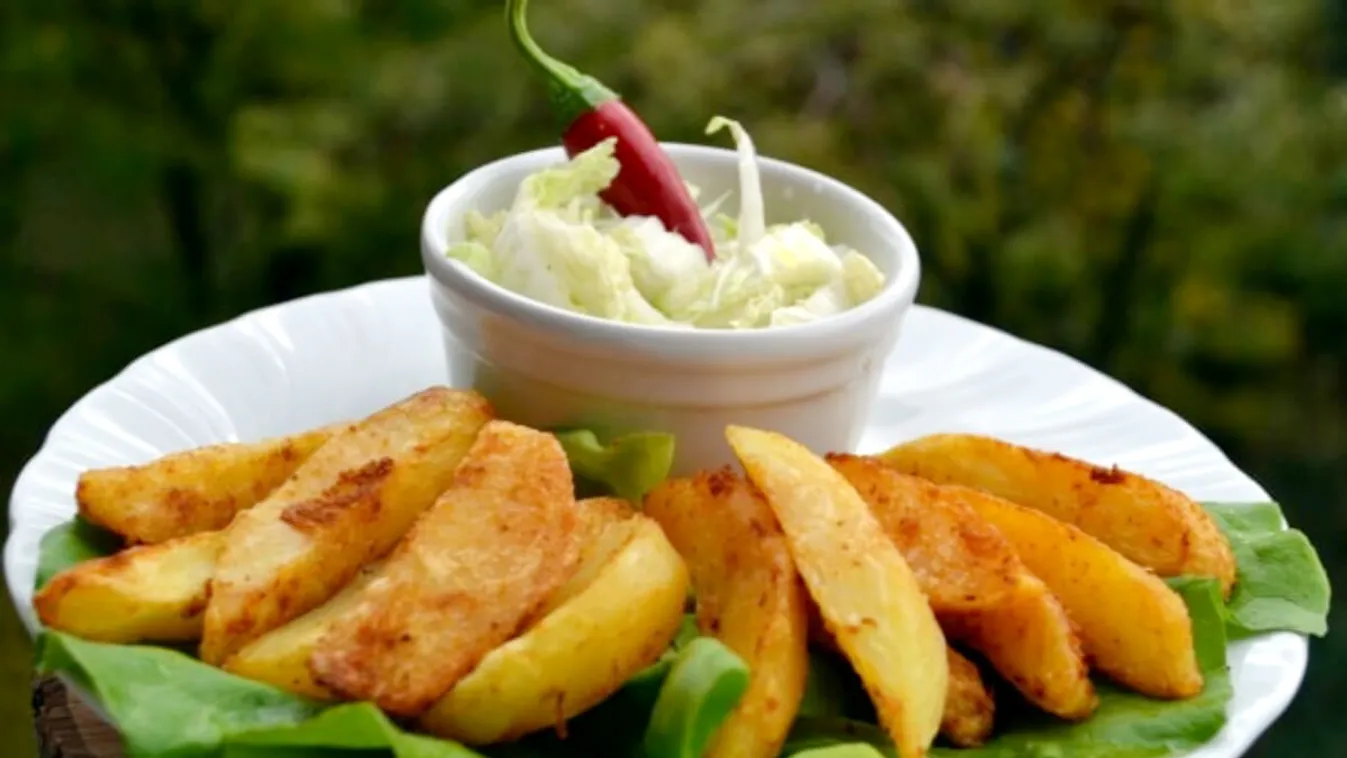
[
  {"x": 1031, "y": 641},
  {"x": 347, "y": 505},
  {"x": 980, "y": 590},
  {"x": 866, "y": 593},
  {"x": 960, "y": 561},
  {"x": 152, "y": 593},
  {"x": 616, "y": 616},
  {"x": 474, "y": 571},
  {"x": 749, "y": 596},
  {"x": 1133, "y": 627},
  {"x": 281, "y": 657},
  {"x": 969, "y": 707},
  {"x": 1149, "y": 523},
  {"x": 193, "y": 491}
]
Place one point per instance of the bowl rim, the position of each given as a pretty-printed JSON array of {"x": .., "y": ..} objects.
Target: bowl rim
[{"x": 842, "y": 331}]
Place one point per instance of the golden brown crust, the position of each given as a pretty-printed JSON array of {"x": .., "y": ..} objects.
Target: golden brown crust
[
  {"x": 1149, "y": 523},
  {"x": 474, "y": 571},
  {"x": 748, "y": 595}
]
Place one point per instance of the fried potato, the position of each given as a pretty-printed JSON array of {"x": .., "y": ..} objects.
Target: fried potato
[
  {"x": 153, "y": 593},
  {"x": 193, "y": 491},
  {"x": 749, "y": 596},
  {"x": 1149, "y": 523},
  {"x": 347, "y": 505},
  {"x": 960, "y": 561},
  {"x": 1031, "y": 641},
  {"x": 1133, "y": 627},
  {"x": 969, "y": 708},
  {"x": 980, "y": 590},
  {"x": 473, "y": 572},
  {"x": 866, "y": 593},
  {"x": 616, "y": 616},
  {"x": 281, "y": 656}
]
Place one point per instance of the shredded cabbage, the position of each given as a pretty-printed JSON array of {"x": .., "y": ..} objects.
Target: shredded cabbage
[{"x": 559, "y": 244}]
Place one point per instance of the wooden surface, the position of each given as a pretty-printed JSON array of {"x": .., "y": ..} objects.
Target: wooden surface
[{"x": 67, "y": 728}]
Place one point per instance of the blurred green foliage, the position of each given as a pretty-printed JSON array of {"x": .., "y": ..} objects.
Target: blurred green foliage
[{"x": 1157, "y": 188}]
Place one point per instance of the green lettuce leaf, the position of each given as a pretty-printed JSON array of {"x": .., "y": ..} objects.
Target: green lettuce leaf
[
  {"x": 165, "y": 704},
  {"x": 702, "y": 688},
  {"x": 627, "y": 465},
  {"x": 70, "y": 543},
  {"x": 355, "y": 726},
  {"x": 1281, "y": 583}
]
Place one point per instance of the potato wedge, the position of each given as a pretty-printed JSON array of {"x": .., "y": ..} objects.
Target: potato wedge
[
  {"x": 960, "y": 561},
  {"x": 281, "y": 657},
  {"x": 1133, "y": 627},
  {"x": 193, "y": 491},
  {"x": 866, "y": 593},
  {"x": 473, "y": 572},
  {"x": 749, "y": 596},
  {"x": 1031, "y": 641},
  {"x": 980, "y": 590},
  {"x": 347, "y": 505},
  {"x": 969, "y": 707},
  {"x": 1149, "y": 523},
  {"x": 616, "y": 616},
  {"x": 151, "y": 593}
]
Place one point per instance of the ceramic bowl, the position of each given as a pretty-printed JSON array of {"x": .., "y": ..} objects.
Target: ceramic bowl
[{"x": 547, "y": 367}]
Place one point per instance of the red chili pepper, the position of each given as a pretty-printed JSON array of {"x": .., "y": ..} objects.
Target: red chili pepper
[{"x": 647, "y": 183}]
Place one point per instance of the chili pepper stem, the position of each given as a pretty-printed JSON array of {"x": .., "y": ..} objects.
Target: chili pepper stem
[{"x": 572, "y": 92}]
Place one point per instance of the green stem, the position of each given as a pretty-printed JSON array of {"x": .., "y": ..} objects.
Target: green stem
[{"x": 572, "y": 93}]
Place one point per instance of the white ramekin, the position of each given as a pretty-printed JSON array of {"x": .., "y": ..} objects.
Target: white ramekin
[{"x": 547, "y": 367}]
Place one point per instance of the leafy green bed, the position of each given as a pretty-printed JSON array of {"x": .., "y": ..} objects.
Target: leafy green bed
[{"x": 170, "y": 705}]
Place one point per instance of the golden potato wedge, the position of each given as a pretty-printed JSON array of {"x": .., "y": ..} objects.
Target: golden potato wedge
[
  {"x": 960, "y": 561},
  {"x": 969, "y": 707},
  {"x": 749, "y": 596},
  {"x": 347, "y": 505},
  {"x": 866, "y": 593},
  {"x": 1031, "y": 641},
  {"x": 1133, "y": 627},
  {"x": 1149, "y": 523},
  {"x": 980, "y": 590},
  {"x": 615, "y": 617},
  {"x": 473, "y": 572},
  {"x": 281, "y": 657},
  {"x": 193, "y": 491},
  {"x": 152, "y": 593}
]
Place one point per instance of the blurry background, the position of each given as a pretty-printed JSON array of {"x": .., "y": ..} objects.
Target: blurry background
[{"x": 1159, "y": 189}]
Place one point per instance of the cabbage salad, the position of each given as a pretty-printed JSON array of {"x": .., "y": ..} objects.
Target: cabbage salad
[{"x": 560, "y": 244}]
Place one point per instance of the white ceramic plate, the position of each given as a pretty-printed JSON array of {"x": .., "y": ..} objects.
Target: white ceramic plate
[{"x": 345, "y": 354}]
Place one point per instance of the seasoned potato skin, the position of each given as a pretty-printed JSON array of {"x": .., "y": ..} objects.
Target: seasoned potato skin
[
  {"x": 194, "y": 491},
  {"x": 1017, "y": 624},
  {"x": 618, "y": 613},
  {"x": 749, "y": 596},
  {"x": 1133, "y": 627},
  {"x": 961, "y": 561},
  {"x": 1147, "y": 522},
  {"x": 866, "y": 593},
  {"x": 349, "y": 503},
  {"x": 969, "y": 707},
  {"x": 474, "y": 571},
  {"x": 152, "y": 593}
]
